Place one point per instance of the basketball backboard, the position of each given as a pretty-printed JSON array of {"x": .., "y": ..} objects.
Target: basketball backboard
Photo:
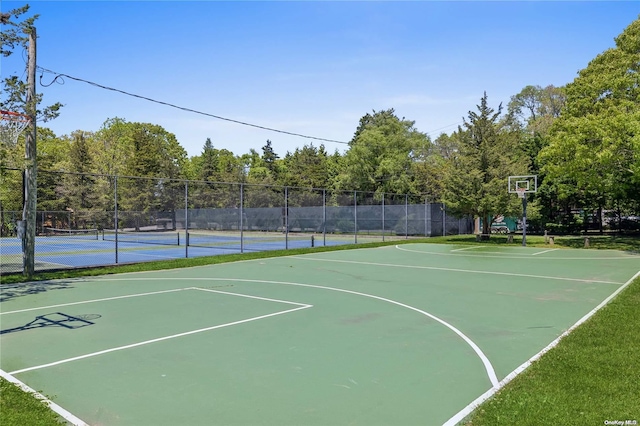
[{"x": 523, "y": 184}]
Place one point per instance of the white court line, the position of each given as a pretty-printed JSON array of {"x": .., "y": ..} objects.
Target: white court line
[
  {"x": 544, "y": 251},
  {"x": 160, "y": 339},
  {"x": 251, "y": 297},
  {"x": 135, "y": 253},
  {"x": 57, "y": 264},
  {"x": 458, "y": 417},
  {"x": 466, "y": 248},
  {"x": 501, "y": 253},
  {"x": 520, "y": 256},
  {"x": 485, "y": 361},
  {"x": 70, "y": 418},
  {"x": 95, "y": 300},
  {"x": 469, "y": 271}
]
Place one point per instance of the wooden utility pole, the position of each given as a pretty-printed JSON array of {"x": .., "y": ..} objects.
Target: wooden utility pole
[{"x": 30, "y": 172}]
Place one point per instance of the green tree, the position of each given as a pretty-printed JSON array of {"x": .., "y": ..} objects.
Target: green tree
[
  {"x": 80, "y": 186},
  {"x": 13, "y": 95},
  {"x": 11, "y": 194},
  {"x": 476, "y": 184},
  {"x": 533, "y": 111},
  {"x": 381, "y": 154},
  {"x": 224, "y": 170},
  {"x": 535, "y": 103},
  {"x": 138, "y": 149},
  {"x": 271, "y": 161},
  {"x": 114, "y": 140},
  {"x": 53, "y": 153},
  {"x": 593, "y": 157},
  {"x": 230, "y": 167},
  {"x": 257, "y": 169},
  {"x": 155, "y": 159},
  {"x": 15, "y": 33},
  {"x": 156, "y": 152},
  {"x": 307, "y": 167},
  {"x": 208, "y": 163},
  {"x": 430, "y": 167}
]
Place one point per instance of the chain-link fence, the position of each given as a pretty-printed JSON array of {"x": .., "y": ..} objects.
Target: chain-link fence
[{"x": 88, "y": 220}]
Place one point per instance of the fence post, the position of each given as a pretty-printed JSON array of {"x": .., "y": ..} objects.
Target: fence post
[
  {"x": 115, "y": 213},
  {"x": 186, "y": 219},
  {"x": 241, "y": 217},
  {"x": 406, "y": 216},
  {"x": 444, "y": 220},
  {"x": 425, "y": 216},
  {"x": 355, "y": 217},
  {"x": 286, "y": 218},
  {"x": 383, "y": 217},
  {"x": 324, "y": 217}
]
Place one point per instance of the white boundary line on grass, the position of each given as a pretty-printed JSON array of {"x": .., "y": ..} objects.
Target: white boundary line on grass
[
  {"x": 469, "y": 271},
  {"x": 75, "y": 421},
  {"x": 458, "y": 417}
]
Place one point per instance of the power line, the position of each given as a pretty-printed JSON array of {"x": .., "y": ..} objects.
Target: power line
[
  {"x": 442, "y": 128},
  {"x": 60, "y": 75}
]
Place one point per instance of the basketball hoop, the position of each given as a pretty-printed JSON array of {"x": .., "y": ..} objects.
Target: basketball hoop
[
  {"x": 11, "y": 125},
  {"x": 521, "y": 185}
]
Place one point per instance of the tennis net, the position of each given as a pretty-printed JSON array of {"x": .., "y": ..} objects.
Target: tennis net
[
  {"x": 80, "y": 234},
  {"x": 171, "y": 238},
  {"x": 249, "y": 241}
]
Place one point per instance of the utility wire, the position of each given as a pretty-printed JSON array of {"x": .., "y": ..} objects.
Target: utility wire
[
  {"x": 442, "y": 128},
  {"x": 60, "y": 75}
]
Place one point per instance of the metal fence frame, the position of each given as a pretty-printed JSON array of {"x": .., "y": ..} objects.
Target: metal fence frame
[{"x": 244, "y": 209}]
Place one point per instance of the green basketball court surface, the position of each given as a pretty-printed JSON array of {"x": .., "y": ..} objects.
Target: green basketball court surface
[{"x": 399, "y": 335}]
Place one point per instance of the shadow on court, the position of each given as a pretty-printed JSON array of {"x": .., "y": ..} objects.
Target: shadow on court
[
  {"x": 11, "y": 291},
  {"x": 56, "y": 319}
]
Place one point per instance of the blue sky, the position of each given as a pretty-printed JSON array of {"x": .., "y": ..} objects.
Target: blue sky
[{"x": 305, "y": 67}]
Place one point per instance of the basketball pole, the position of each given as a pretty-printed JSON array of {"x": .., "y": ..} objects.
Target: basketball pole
[
  {"x": 524, "y": 220},
  {"x": 30, "y": 173}
]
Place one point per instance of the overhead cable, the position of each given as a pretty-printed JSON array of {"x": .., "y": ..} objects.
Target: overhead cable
[
  {"x": 59, "y": 78},
  {"x": 61, "y": 75}
]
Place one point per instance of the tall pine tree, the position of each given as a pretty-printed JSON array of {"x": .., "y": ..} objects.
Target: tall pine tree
[{"x": 477, "y": 183}]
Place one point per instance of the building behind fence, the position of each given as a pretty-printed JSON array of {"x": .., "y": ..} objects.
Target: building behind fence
[{"x": 127, "y": 215}]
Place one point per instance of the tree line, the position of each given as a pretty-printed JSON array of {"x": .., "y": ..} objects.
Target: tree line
[{"x": 582, "y": 140}]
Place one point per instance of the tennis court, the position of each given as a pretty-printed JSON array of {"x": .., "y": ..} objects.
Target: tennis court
[
  {"x": 85, "y": 248},
  {"x": 404, "y": 335}
]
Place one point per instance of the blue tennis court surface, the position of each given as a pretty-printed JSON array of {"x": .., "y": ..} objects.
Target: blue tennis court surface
[{"x": 94, "y": 249}]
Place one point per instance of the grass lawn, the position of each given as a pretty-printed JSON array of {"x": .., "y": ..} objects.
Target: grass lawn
[
  {"x": 589, "y": 377},
  {"x": 18, "y": 408}
]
